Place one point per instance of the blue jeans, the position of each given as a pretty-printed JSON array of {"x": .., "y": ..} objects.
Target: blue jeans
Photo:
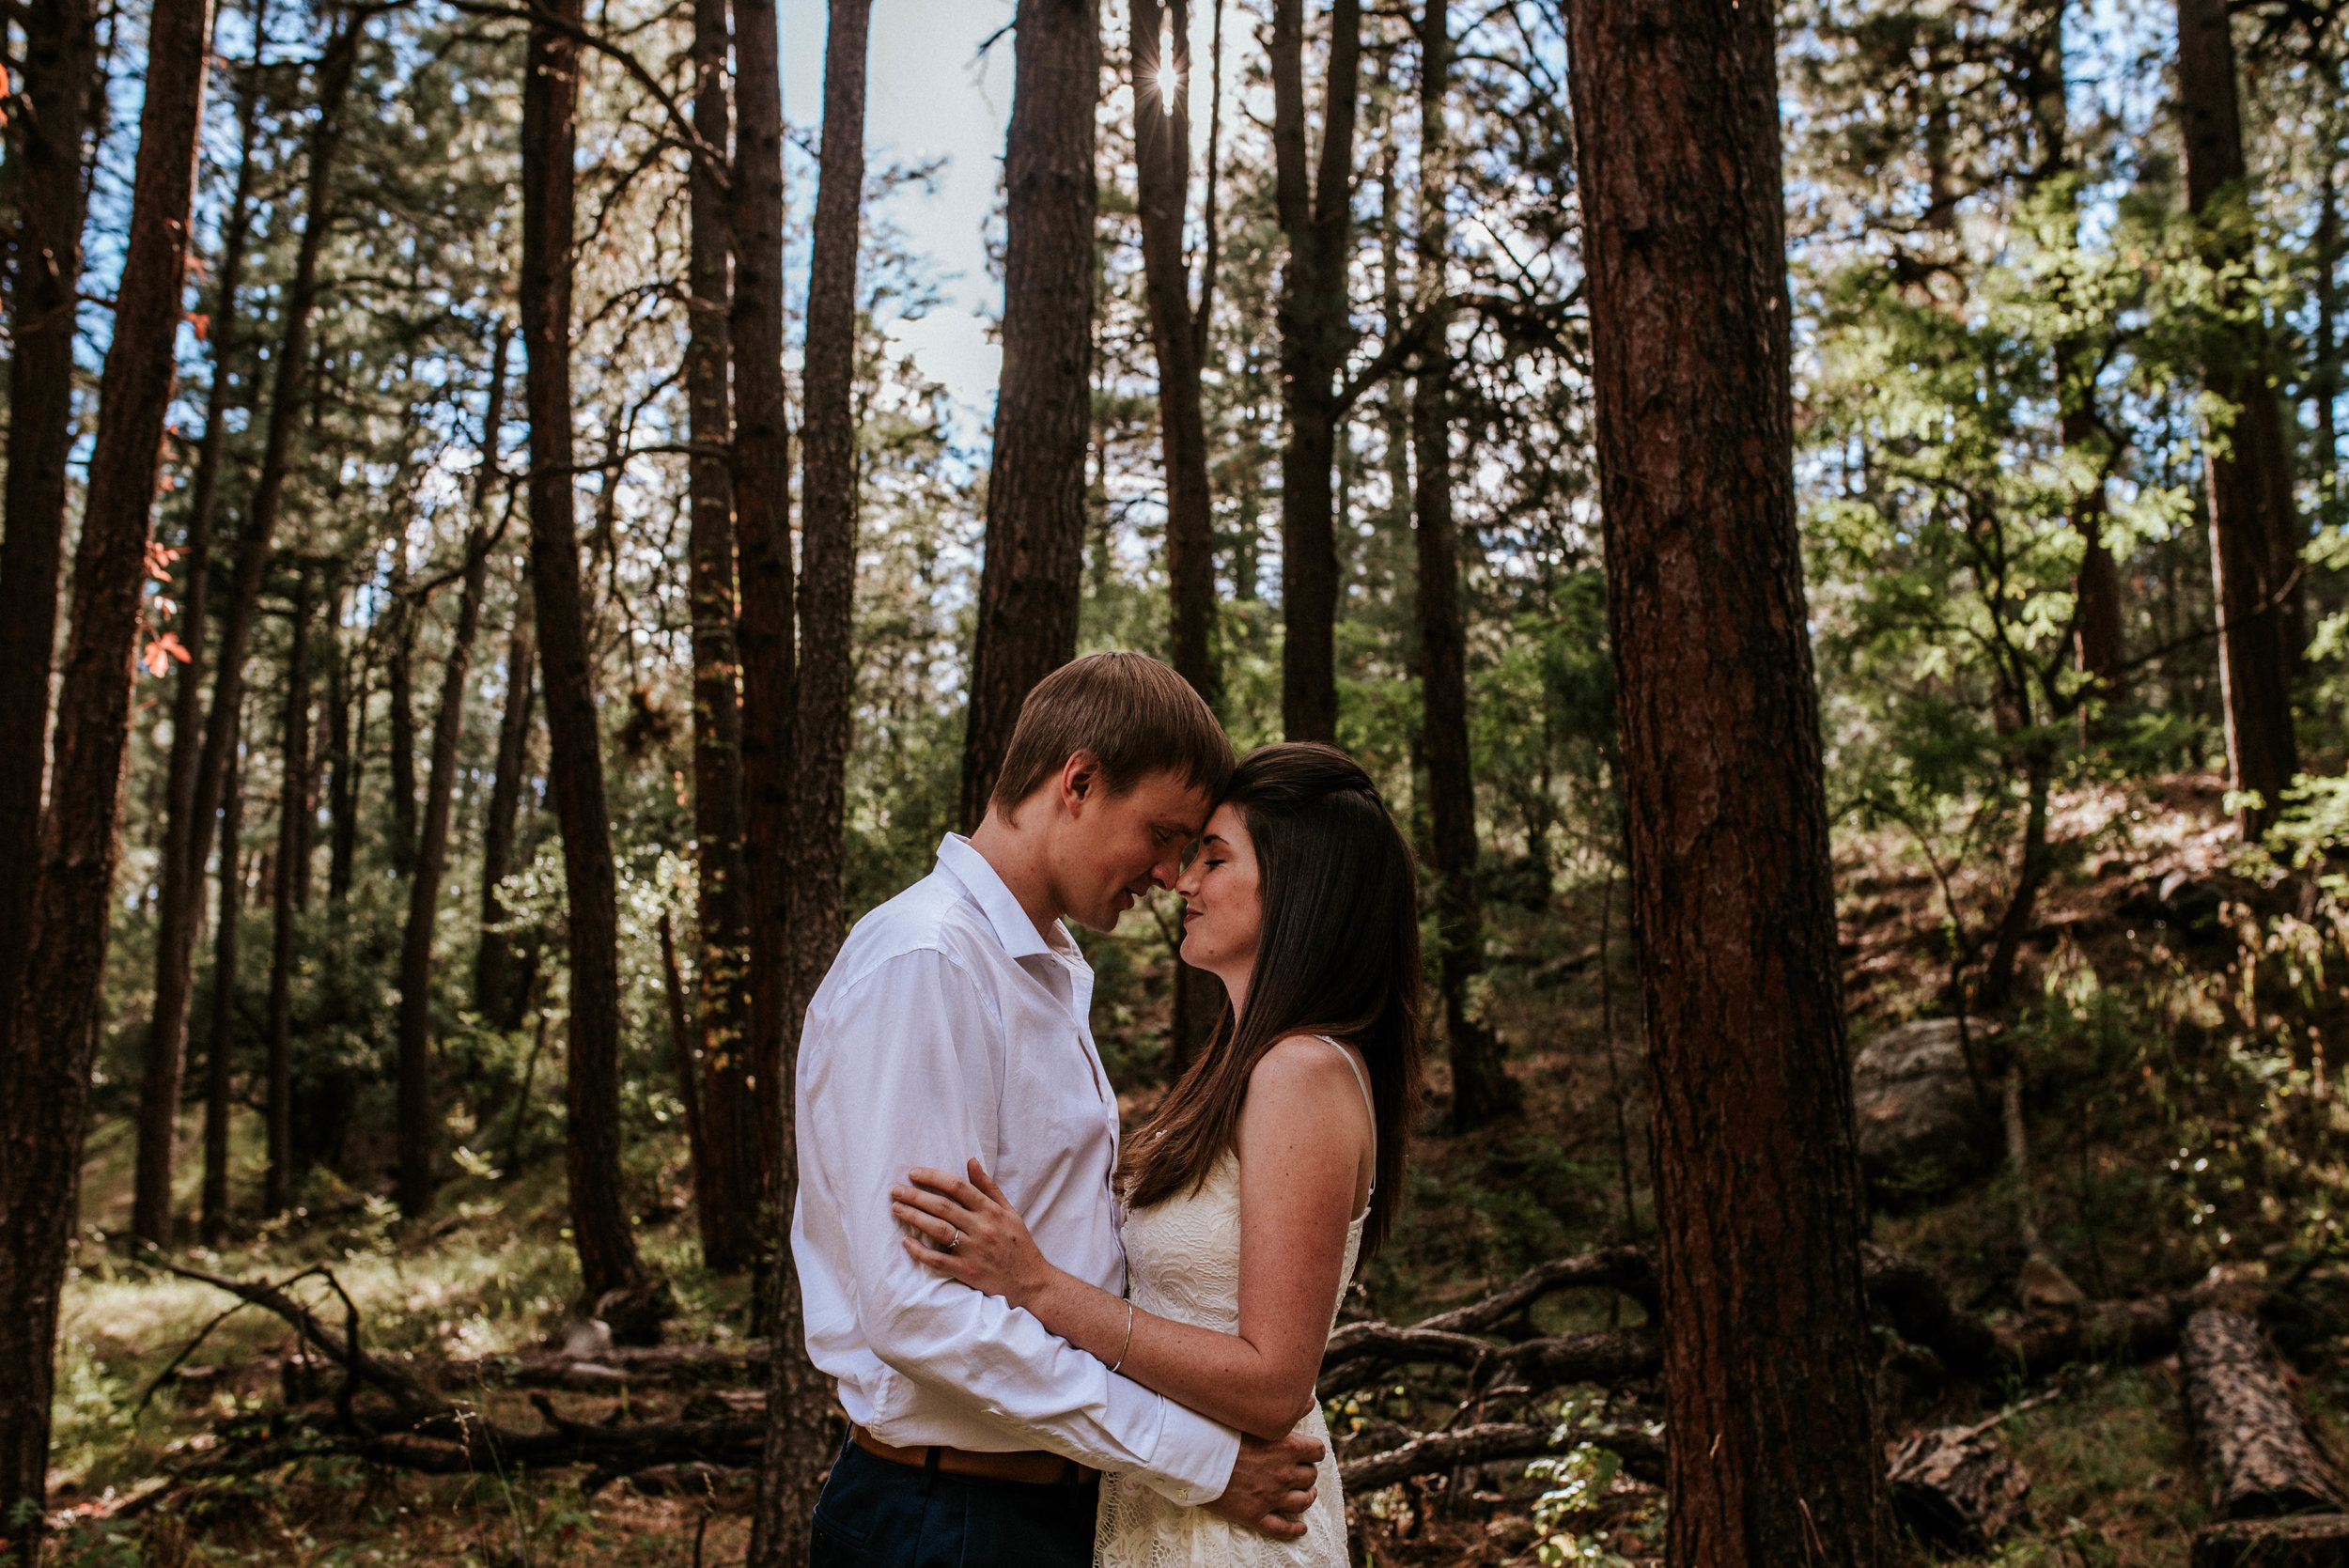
[{"x": 874, "y": 1514}]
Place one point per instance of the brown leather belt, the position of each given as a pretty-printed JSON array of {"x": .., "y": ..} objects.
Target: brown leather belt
[{"x": 1032, "y": 1466}]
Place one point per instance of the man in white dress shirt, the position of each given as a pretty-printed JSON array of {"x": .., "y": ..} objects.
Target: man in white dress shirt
[{"x": 954, "y": 1025}]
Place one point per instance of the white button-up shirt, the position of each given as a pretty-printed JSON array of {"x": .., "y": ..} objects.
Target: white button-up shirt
[{"x": 949, "y": 1028}]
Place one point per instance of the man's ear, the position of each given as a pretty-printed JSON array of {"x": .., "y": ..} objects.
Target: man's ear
[{"x": 1080, "y": 781}]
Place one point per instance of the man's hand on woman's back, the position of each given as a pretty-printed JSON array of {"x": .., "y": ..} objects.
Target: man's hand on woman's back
[{"x": 1272, "y": 1483}]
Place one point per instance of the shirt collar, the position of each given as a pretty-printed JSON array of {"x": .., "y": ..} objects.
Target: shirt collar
[{"x": 1012, "y": 928}]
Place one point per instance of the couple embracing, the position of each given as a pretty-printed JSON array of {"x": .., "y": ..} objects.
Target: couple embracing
[{"x": 1053, "y": 1351}]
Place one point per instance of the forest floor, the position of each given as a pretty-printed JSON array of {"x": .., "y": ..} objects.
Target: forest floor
[{"x": 2180, "y": 1111}]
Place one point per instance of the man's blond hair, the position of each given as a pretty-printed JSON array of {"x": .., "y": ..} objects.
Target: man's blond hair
[{"x": 1130, "y": 713}]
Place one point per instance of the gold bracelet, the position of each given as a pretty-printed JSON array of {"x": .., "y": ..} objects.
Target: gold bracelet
[{"x": 1130, "y": 1338}]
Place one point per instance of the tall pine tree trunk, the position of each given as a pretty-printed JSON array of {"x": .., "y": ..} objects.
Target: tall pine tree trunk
[
  {"x": 1030, "y": 583},
  {"x": 550, "y": 138},
  {"x": 2253, "y": 533},
  {"x": 1768, "y": 1360},
  {"x": 1315, "y": 198},
  {"x": 798, "y": 1398},
  {"x": 497, "y": 991},
  {"x": 253, "y": 545},
  {"x": 1162, "y": 161},
  {"x": 415, "y": 1123},
  {"x": 293, "y": 848},
  {"x": 45, "y": 131},
  {"x": 180, "y": 903},
  {"x": 725, "y": 1180},
  {"x": 220, "y": 1053},
  {"x": 1482, "y": 1088},
  {"x": 44, "y": 1095}
]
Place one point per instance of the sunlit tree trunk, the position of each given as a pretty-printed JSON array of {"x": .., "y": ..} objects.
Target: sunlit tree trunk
[
  {"x": 180, "y": 901},
  {"x": 725, "y": 1184},
  {"x": 1030, "y": 583},
  {"x": 44, "y": 1099},
  {"x": 45, "y": 134},
  {"x": 2254, "y": 535},
  {"x": 550, "y": 135},
  {"x": 1768, "y": 1362},
  {"x": 415, "y": 1123},
  {"x": 1315, "y": 198}
]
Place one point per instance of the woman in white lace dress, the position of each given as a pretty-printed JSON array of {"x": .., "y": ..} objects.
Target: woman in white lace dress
[{"x": 1271, "y": 1169}]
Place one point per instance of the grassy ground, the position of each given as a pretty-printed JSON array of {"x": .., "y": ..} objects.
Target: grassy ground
[{"x": 2182, "y": 1121}]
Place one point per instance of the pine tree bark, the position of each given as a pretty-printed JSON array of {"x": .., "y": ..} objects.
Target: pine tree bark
[
  {"x": 44, "y": 1099},
  {"x": 2253, "y": 532},
  {"x": 416, "y": 1121},
  {"x": 293, "y": 848},
  {"x": 1030, "y": 583},
  {"x": 827, "y": 528},
  {"x": 798, "y": 1398},
  {"x": 498, "y": 992},
  {"x": 1481, "y": 1089},
  {"x": 726, "y": 1188},
  {"x": 400, "y": 684},
  {"x": 220, "y": 1049},
  {"x": 178, "y": 914},
  {"x": 45, "y": 136},
  {"x": 745, "y": 1102},
  {"x": 550, "y": 138},
  {"x": 1757, "y": 1187},
  {"x": 1314, "y": 200}
]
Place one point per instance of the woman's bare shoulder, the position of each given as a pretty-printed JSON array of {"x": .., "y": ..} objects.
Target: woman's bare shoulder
[{"x": 1303, "y": 1066}]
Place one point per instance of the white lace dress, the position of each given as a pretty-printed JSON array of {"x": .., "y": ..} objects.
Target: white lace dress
[{"x": 1183, "y": 1260}]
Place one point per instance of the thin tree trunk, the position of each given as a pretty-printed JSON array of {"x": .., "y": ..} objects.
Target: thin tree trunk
[
  {"x": 1482, "y": 1088},
  {"x": 179, "y": 904},
  {"x": 415, "y": 1123},
  {"x": 1756, "y": 1179},
  {"x": 220, "y": 1045},
  {"x": 550, "y": 137},
  {"x": 342, "y": 796},
  {"x": 681, "y": 1051},
  {"x": 725, "y": 1180},
  {"x": 44, "y": 1101},
  {"x": 743, "y": 1116},
  {"x": 260, "y": 525},
  {"x": 2254, "y": 547},
  {"x": 792, "y": 833},
  {"x": 827, "y": 528},
  {"x": 1315, "y": 208},
  {"x": 1030, "y": 583},
  {"x": 1162, "y": 163},
  {"x": 399, "y": 683},
  {"x": 497, "y": 991},
  {"x": 293, "y": 847},
  {"x": 46, "y": 127}
]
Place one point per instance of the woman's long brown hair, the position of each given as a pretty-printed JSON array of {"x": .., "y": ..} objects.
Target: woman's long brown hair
[{"x": 1337, "y": 954}]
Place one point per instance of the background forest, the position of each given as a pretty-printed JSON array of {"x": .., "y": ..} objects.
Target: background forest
[{"x": 570, "y": 602}]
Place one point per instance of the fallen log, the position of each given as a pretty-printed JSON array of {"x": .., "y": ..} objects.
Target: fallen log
[
  {"x": 1642, "y": 1455},
  {"x": 2309, "y": 1541},
  {"x": 619, "y": 1367},
  {"x": 1956, "y": 1487},
  {"x": 1610, "y": 1357},
  {"x": 2260, "y": 1461}
]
